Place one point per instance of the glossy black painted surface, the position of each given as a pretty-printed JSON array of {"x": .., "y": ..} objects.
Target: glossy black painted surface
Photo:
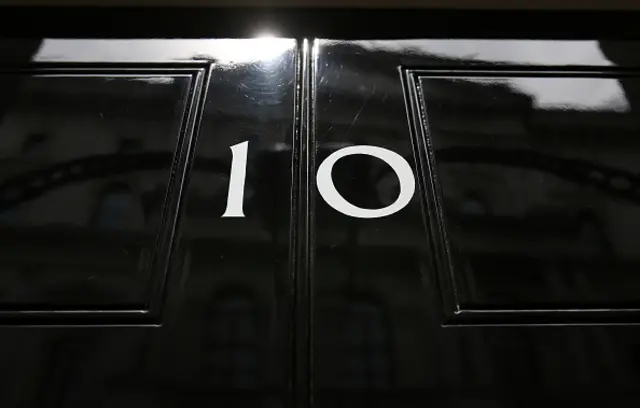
[
  {"x": 139, "y": 132},
  {"x": 123, "y": 284},
  {"x": 538, "y": 184},
  {"x": 87, "y": 161},
  {"x": 516, "y": 166}
]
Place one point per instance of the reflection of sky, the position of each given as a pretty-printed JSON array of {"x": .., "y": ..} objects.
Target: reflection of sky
[
  {"x": 224, "y": 51},
  {"x": 587, "y": 94},
  {"x": 155, "y": 79},
  {"x": 568, "y": 93}
]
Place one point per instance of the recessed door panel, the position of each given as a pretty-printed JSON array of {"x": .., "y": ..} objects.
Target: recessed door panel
[
  {"x": 87, "y": 163},
  {"x": 559, "y": 149}
]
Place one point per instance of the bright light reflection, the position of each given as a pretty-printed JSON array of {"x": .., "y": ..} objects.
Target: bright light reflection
[
  {"x": 265, "y": 48},
  {"x": 584, "y": 94}
]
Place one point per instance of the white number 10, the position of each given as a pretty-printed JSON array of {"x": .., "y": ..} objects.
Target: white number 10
[{"x": 324, "y": 181}]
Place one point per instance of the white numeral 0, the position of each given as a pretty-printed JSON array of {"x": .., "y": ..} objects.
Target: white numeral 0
[{"x": 328, "y": 191}]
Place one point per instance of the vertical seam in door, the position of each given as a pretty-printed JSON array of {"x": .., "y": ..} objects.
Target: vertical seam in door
[
  {"x": 310, "y": 242},
  {"x": 300, "y": 230}
]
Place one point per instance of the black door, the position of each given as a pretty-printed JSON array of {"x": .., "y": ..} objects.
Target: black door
[
  {"x": 510, "y": 277},
  {"x": 276, "y": 222},
  {"x": 129, "y": 275}
]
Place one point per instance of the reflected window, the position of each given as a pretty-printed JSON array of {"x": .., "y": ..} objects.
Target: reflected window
[
  {"x": 116, "y": 208},
  {"x": 129, "y": 145},
  {"x": 7, "y": 216},
  {"x": 472, "y": 204},
  {"x": 367, "y": 341},
  {"x": 232, "y": 341},
  {"x": 34, "y": 143}
]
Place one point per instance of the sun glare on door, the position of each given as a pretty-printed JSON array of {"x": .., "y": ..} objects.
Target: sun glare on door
[{"x": 265, "y": 47}]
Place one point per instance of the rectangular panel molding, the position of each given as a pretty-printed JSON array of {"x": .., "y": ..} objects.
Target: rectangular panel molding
[
  {"x": 88, "y": 163},
  {"x": 532, "y": 189}
]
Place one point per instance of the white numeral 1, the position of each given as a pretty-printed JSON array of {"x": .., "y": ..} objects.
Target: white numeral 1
[{"x": 235, "y": 196}]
